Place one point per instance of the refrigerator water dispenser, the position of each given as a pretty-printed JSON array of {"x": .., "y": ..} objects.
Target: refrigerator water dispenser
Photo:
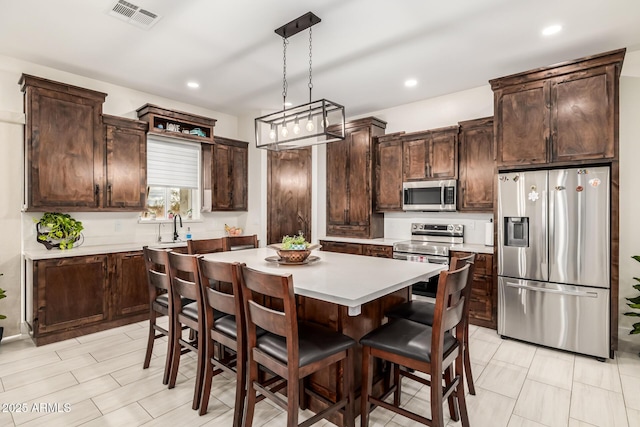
[{"x": 516, "y": 231}]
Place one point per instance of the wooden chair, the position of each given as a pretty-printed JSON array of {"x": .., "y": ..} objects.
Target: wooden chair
[
  {"x": 423, "y": 311},
  {"x": 207, "y": 246},
  {"x": 289, "y": 349},
  {"x": 185, "y": 283},
  {"x": 228, "y": 331},
  {"x": 238, "y": 241},
  {"x": 433, "y": 350},
  {"x": 159, "y": 282}
]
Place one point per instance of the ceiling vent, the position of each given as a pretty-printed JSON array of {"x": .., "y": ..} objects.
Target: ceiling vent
[{"x": 133, "y": 14}]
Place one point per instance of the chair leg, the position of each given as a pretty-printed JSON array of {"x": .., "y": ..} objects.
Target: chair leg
[
  {"x": 251, "y": 393},
  {"x": 207, "y": 378},
  {"x": 197, "y": 393},
  {"x": 397, "y": 381},
  {"x": 467, "y": 363},
  {"x": 367, "y": 373},
  {"x": 453, "y": 409},
  {"x": 175, "y": 356},
  {"x": 293, "y": 401},
  {"x": 437, "y": 416},
  {"x": 462, "y": 402},
  {"x": 150, "y": 340},
  {"x": 347, "y": 391},
  {"x": 241, "y": 385},
  {"x": 169, "y": 357}
]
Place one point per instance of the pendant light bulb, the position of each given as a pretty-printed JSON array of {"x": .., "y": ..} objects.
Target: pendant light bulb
[
  {"x": 325, "y": 122},
  {"x": 284, "y": 132},
  {"x": 296, "y": 127},
  {"x": 309, "y": 125},
  {"x": 272, "y": 133}
]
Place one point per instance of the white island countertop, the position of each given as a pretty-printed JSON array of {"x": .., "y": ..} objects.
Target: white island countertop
[{"x": 348, "y": 280}]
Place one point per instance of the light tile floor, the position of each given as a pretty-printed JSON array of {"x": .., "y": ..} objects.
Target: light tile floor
[{"x": 98, "y": 380}]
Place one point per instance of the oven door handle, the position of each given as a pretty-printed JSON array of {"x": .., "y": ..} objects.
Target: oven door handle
[{"x": 427, "y": 258}]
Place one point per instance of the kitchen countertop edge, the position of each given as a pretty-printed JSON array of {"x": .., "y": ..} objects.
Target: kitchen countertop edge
[
  {"x": 387, "y": 241},
  {"x": 42, "y": 253}
]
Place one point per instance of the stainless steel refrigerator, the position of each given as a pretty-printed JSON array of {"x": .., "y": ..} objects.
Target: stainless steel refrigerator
[{"x": 554, "y": 258}]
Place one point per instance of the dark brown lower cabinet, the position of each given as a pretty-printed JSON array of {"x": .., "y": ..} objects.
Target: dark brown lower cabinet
[
  {"x": 483, "y": 291},
  {"x": 76, "y": 296},
  {"x": 381, "y": 251}
]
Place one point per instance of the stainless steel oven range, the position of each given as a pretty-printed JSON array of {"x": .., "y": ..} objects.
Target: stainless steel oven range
[{"x": 429, "y": 243}]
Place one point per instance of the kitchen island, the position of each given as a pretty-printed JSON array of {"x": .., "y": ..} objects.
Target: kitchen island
[{"x": 347, "y": 293}]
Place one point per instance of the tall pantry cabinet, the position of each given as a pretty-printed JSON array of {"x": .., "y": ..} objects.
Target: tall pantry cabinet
[{"x": 350, "y": 175}]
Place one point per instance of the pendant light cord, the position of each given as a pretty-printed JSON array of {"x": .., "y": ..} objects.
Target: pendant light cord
[
  {"x": 285, "y": 86},
  {"x": 310, "y": 57}
]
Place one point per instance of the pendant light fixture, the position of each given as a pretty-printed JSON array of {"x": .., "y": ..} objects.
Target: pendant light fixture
[{"x": 317, "y": 122}]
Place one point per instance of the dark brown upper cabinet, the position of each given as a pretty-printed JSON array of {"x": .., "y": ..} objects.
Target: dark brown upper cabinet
[
  {"x": 126, "y": 163},
  {"x": 476, "y": 165},
  {"x": 350, "y": 175},
  {"x": 64, "y": 146},
  {"x": 388, "y": 176},
  {"x": 431, "y": 154},
  {"x": 559, "y": 114},
  {"x": 225, "y": 174}
]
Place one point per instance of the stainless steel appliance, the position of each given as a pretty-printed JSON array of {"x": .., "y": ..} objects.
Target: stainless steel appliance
[
  {"x": 429, "y": 243},
  {"x": 430, "y": 195},
  {"x": 554, "y": 258}
]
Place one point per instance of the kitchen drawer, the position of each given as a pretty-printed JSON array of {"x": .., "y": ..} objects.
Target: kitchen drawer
[
  {"x": 483, "y": 265},
  {"x": 341, "y": 247},
  {"x": 380, "y": 251}
]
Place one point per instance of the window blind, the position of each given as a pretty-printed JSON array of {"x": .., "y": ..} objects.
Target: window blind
[{"x": 172, "y": 163}]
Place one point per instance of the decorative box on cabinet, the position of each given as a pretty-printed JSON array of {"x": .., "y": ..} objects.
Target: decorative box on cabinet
[
  {"x": 563, "y": 113},
  {"x": 64, "y": 146},
  {"x": 482, "y": 311},
  {"x": 350, "y": 182},
  {"x": 163, "y": 121},
  {"x": 75, "y": 296},
  {"x": 225, "y": 168},
  {"x": 476, "y": 165}
]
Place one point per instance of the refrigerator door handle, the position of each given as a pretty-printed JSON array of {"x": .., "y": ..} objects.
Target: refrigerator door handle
[{"x": 552, "y": 291}]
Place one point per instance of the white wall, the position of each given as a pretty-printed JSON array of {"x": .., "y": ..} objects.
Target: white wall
[{"x": 629, "y": 204}]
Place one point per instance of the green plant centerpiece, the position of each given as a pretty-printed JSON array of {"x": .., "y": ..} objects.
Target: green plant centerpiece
[
  {"x": 296, "y": 243},
  {"x": 58, "y": 230}
]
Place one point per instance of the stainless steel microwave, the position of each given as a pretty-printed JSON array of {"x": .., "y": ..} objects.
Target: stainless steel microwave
[{"x": 437, "y": 196}]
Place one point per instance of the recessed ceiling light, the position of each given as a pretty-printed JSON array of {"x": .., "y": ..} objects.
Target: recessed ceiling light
[
  {"x": 551, "y": 29},
  {"x": 193, "y": 85},
  {"x": 411, "y": 83}
]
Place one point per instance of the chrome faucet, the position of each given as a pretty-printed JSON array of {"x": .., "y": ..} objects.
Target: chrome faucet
[{"x": 175, "y": 228}]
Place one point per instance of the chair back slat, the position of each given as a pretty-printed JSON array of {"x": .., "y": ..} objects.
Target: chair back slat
[
  {"x": 207, "y": 246},
  {"x": 256, "y": 285},
  {"x": 451, "y": 301},
  {"x": 157, "y": 267},
  {"x": 216, "y": 272},
  {"x": 184, "y": 273},
  {"x": 250, "y": 240}
]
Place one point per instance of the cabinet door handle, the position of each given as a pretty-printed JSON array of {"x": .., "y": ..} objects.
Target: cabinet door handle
[
  {"x": 97, "y": 194},
  {"x": 109, "y": 195}
]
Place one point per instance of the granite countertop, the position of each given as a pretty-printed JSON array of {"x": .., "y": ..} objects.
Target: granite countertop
[{"x": 465, "y": 247}]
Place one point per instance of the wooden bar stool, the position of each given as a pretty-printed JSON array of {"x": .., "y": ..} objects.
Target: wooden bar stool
[
  {"x": 290, "y": 350},
  {"x": 159, "y": 282},
  {"x": 250, "y": 241},
  {"x": 185, "y": 283},
  {"x": 433, "y": 350},
  {"x": 229, "y": 331},
  {"x": 423, "y": 311}
]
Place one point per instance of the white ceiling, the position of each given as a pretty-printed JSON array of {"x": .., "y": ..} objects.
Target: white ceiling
[{"x": 363, "y": 50}]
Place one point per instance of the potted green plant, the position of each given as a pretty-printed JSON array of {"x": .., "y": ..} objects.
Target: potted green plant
[
  {"x": 635, "y": 303},
  {"x": 58, "y": 230}
]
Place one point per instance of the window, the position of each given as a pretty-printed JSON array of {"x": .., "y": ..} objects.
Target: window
[{"x": 173, "y": 179}]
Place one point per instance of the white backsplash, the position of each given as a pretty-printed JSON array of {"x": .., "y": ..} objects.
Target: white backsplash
[{"x": 398, "y": 225}]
